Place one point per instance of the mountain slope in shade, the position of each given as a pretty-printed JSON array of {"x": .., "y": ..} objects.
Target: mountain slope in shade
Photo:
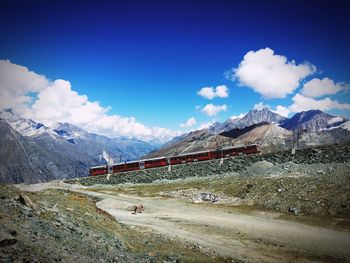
[
  {"x": 236, "y": 132},
  {"x": 120, "y": 149},
  {"x": 90, "y": 144},
  {"x": 267, "y": 136},
  {"x": 64, "y": 151},
  {"x": 313, "y": 120},
  {"x": 25, "y": 127},
  {"x": 135, "y": 148},
  {"x": 263, "y": 115},
  {"x": 269, "y": 130},
  {"x": 22, "y": 160},
  {"x": 192, "y": 142}
]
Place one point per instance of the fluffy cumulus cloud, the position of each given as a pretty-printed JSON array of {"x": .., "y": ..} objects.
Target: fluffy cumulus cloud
[
  {"x": 212, "y": 110},
  {"x": 260, "y": 106},
  {"x": 56, "y": 101},
  {"x": 269, "y": 74},
  {"x": 281, "y": 110},
  {"x": 240, "y": 116},
  {"x": 206, "y": 125},
  {"x": 211, "y": 92},
  {"x": 302, "y": 103},
  {"x": 189, "y": 123},
  {"x": 16, "y": 82},
  {"x": 320, "y": 87}
]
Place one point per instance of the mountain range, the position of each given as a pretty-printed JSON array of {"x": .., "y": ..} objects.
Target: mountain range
[
  {"x": 60, "y": 151},
  {"x": 269, "y": 130},
  {"x": 31, "y": 152}
]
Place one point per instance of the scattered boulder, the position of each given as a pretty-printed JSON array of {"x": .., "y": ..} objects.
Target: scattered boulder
[
  {"x": 259, "y": 168},
  {"x": 24, "y": 199},
  {"x": 209, "y": 197},
  {"x": 7, "y": 242},
  {"x": 293, "y": 210}
]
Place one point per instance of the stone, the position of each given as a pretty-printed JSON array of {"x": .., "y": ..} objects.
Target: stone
[
  {"x": 12, "y": 232},
  {"x": 25, "y": 200},
  {"x": 152, "y": 254},
  {"x": 7, "y": 242},
  {"x": 293, "y": 210}
]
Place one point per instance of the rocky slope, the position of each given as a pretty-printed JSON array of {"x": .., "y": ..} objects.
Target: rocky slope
[
  {"x": 28, "y": 160},
  {"x": 269, "y": 137},
  {"x": 267, "y": 129},
  {"x": 312, "y": 120},
  {"x": 63, "y": 226},
  {"x": 62, "y": 151},
  {"x": 263, "y": 115},
  {"x": 314, "y": 180}
]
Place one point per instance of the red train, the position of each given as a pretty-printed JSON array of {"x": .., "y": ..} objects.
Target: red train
[{"x": 178, "y": 159}]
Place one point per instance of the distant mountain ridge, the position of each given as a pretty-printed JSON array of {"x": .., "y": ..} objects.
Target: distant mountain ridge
[
  {"x": 269, "y": 130},
  {"x": 251, "y": 118},
  {"x": 67, "y": 150},
  {"x": 312, "y": 120},
  {"x": 31, "y": 152}
]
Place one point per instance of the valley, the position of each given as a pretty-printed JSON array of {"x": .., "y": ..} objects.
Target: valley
[{"x": 267, "y": 208}]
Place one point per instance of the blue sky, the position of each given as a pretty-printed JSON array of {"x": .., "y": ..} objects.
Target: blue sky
[{"x": 149, "y": 59}]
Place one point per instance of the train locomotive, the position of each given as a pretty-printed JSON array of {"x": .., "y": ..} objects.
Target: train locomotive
[{"x": 174, "y": 160}]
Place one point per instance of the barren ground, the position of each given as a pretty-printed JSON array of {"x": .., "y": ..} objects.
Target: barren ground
[{"x": 251, "y": 235}]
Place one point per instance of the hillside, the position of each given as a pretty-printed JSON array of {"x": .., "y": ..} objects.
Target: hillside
[
  {"x": 32, "y": 152},
  {"x": 267, "y": 129},
  {"x": 235, "y": 211}
]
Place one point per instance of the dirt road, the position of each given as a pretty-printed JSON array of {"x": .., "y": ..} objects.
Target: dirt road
[{"x": 258, "y": 238}]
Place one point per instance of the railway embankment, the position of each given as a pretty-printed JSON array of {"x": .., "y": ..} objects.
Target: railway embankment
[
  {"x": 317, "y": 155},
  {"x": 313, "y": 181}
]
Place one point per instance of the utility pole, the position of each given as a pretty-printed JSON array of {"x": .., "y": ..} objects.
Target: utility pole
[{"x": 76, "y": 169}]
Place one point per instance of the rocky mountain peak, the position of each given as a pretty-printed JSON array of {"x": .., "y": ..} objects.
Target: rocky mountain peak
[
  {"x": 313, "y": 120},
  {"x": 262, "y": 115},
  {"x": 255, "y": 116},
  {"x": 68, "y": 130}
]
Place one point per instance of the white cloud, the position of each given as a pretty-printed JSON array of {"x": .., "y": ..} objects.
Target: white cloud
[
  {"x": 269, "y": 74},
  {"x": 212, "y": 110},
  {"x": 260, "y": 106},
  {"x": 281, "y": 110},
  {"x": 240, "y": 116},
  {"x": 206, "y": 125},
  {"x": 317, "y": 87},
  {"x": 302, "y": 103},
  {"x": 57, "y": 102},
  {"x": 16, "y": 82},
  {"x": 211, "y": 92},
  {"x": 189, "y": 123},
  {"x": 335, "y": 120}
]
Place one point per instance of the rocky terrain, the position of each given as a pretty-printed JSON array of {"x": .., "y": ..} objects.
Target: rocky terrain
[
  {"x": 271, "y": 207},
  {"x": 59, "y": 152},
  {"x": 314, "y": 180},
  {"x": 64, "y": 151},
  {"x": 64, "y": 226},
  {"x": 269, "y": 130}
]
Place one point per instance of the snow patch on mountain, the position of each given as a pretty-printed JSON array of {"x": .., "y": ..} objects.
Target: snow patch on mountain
[
  {"x": 255, "y": 116},
  {"x": 336, "y": 119},
  {"x": 26, "y": 127},
  {"x": 345, "y": 125}
]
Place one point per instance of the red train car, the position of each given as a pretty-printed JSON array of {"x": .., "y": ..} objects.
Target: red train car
[
  {"x": 190, "y": 157},
  {"x": 98, "y": 170},
  {"x": 154, "y": 162},
  {"x": 174, "y": 160}
]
